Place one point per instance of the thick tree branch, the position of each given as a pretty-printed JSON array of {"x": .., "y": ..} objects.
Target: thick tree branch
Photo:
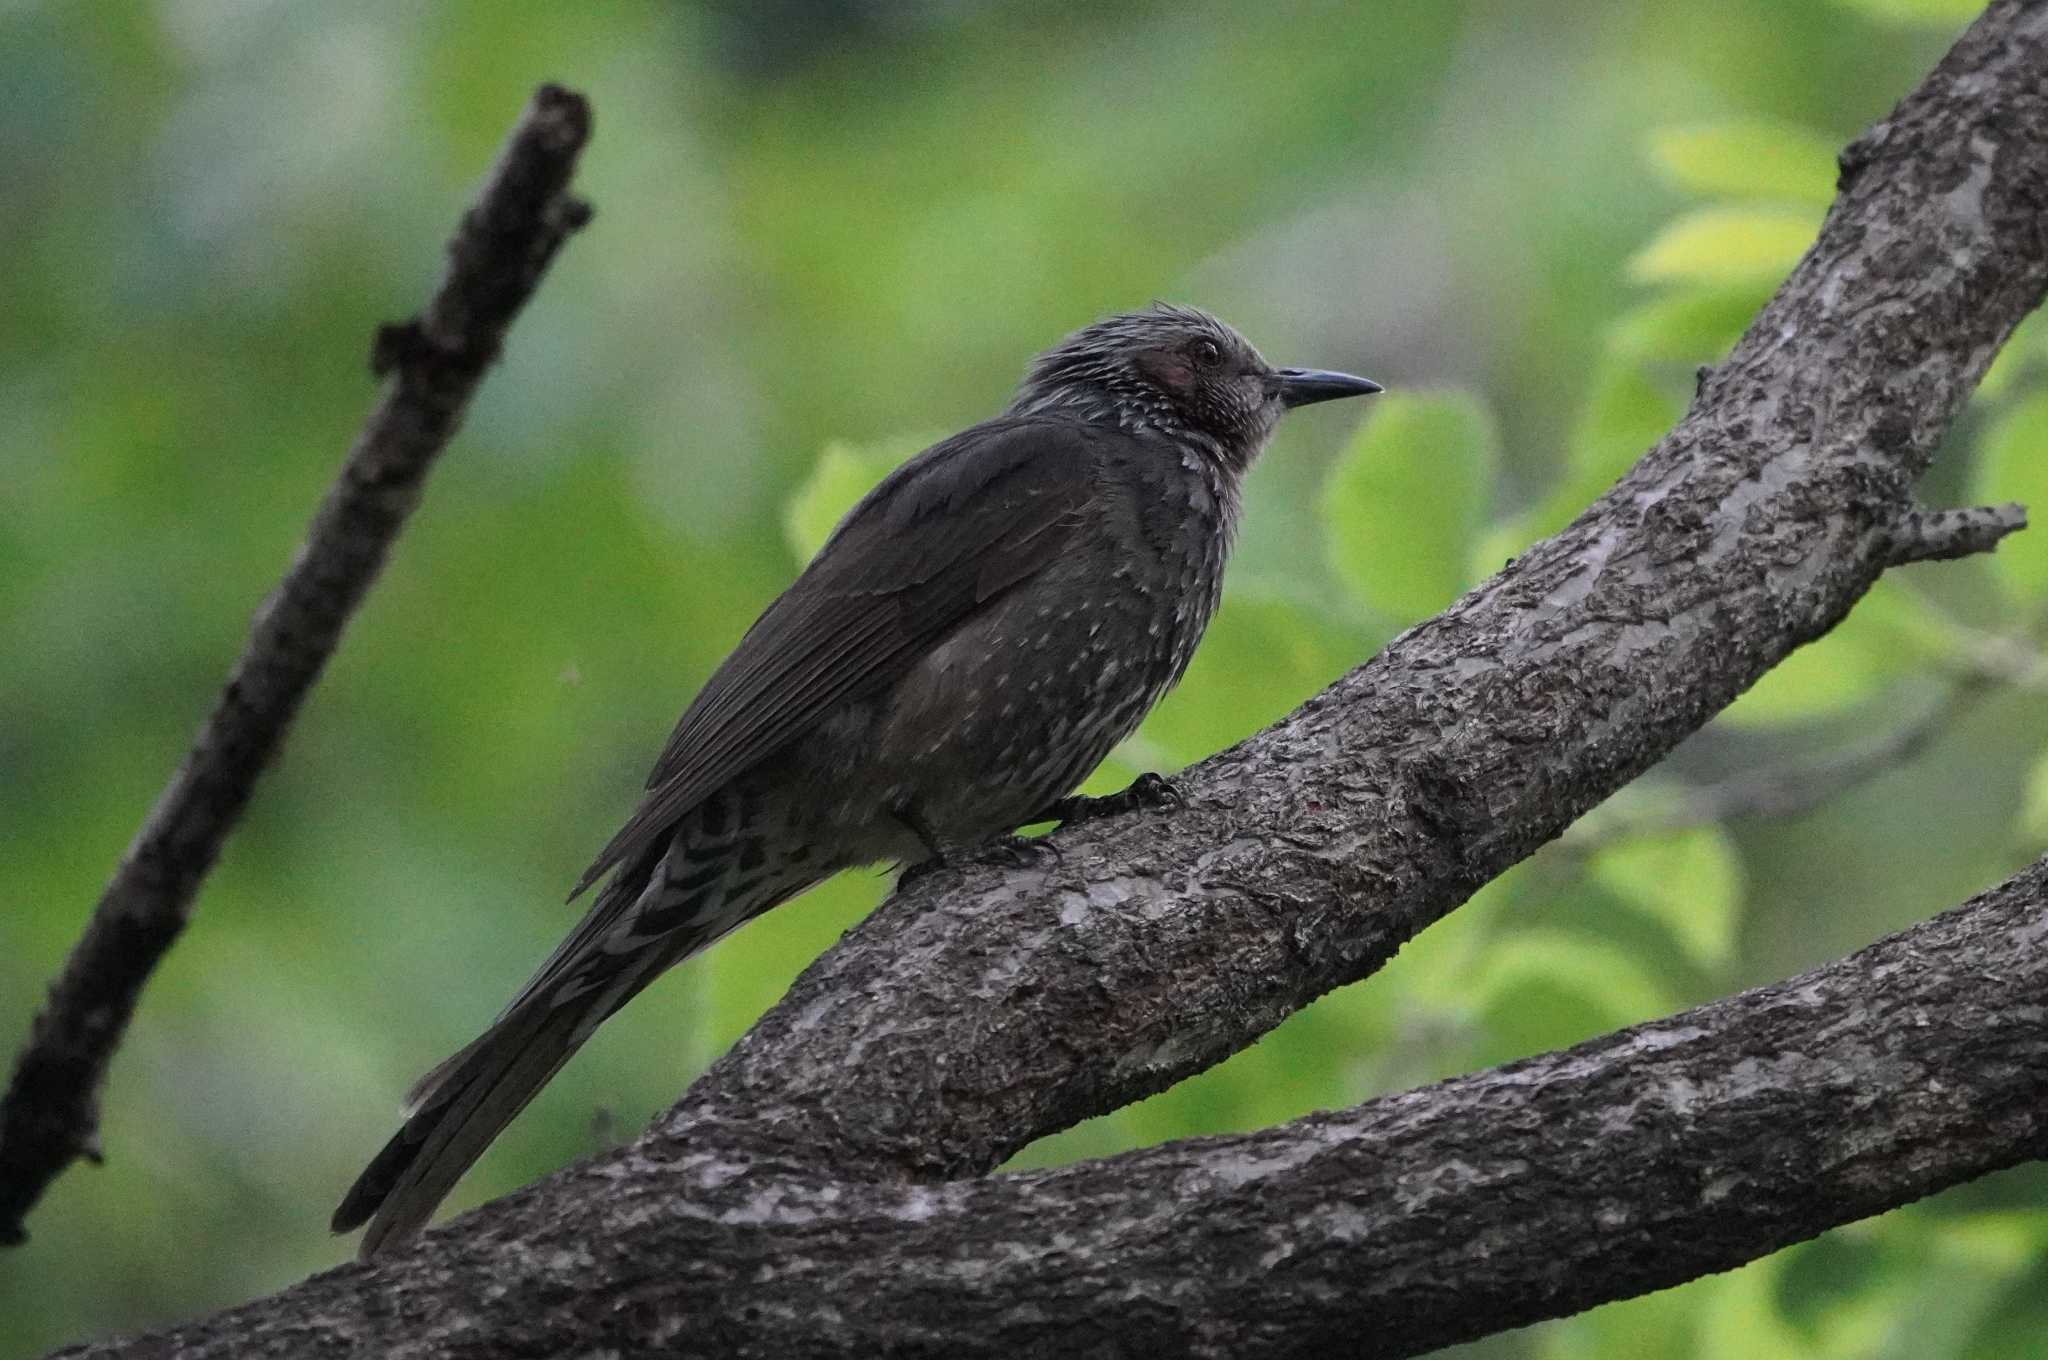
[
  {"x": 787, "y": 1205},
  {"x": 979, "y": 1011},
  {"x": 1653, "y": 1155},
  {"x": 432, "y": 364}
]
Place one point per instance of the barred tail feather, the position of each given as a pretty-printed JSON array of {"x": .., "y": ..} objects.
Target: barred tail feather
[
  {"x": 644, "y": 922},
  {"x": 463, "y": 1105}
]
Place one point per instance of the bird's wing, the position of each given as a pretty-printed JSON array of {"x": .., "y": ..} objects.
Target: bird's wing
[{"x": 940, "y": 539}]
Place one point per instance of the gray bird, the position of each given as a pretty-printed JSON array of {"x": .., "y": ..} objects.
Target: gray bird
[{"x": 975, "y": 636}]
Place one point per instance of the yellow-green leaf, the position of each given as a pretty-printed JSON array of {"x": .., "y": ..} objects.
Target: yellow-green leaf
[
  {"x": 1688, "y": 881},
  {"x": 2024, "y": 352},
  {"x": 1405, "y": 499},
  {"x": 2033, "y": 825},
  {"x": 2012, "y": 465},
  {"x": 1742, "y": 1320},
  {"x": 1623, "y": 415},
  {"x": 1545, "y": 989},
  {"x": 1695, "y": 326},
  {"x": 1747, "y": 158},
  {"x": 1936, "y": 13},
  {"x": 1874, "y": 646},
  {"x": 1734, "y": 244},
  {"x": 1260, "y": 659},
  {"x": 843, "y": 474}
]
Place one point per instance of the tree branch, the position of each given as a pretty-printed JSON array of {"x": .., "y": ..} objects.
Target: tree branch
[
  {"x": 1305, "y": 857},
  {"x": 1944, "y": 535},
  {"x": 432, "y": 363},
  {"x": 785, "y": 1207},
  {"x": 1648, "y": 1157}
]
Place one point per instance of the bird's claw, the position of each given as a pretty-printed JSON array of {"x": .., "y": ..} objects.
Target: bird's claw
[
  {"x": 1148, "y": 790},
  {"x": 1024, "y": 851},
  {"x": 924, "y": 868}
]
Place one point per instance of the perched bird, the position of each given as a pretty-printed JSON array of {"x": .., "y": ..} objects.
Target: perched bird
[{"x": 975, "y": 636}]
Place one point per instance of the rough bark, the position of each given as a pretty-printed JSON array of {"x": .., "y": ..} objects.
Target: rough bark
[
  {"x": 807, "y": 1196},
  {"x": 1630, "y": 1163},
  {"x": 978, "y": 1012},
  {"x": 432, "y": 363}
]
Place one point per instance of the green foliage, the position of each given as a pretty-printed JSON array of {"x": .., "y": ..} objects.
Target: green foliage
[
  {"x": 808, "y": 245},
  {"x": 1827, "y": 678},
  {"x": 1690, "y": 882},
  {"x": 1406, "y": 496},
  {"x": 1946, "y": 14},
  {"x": 1722, "y": 246},
  {"x": 1261, "y": 657},
  {"x": 842, "y": 475},
  {"x": 1747, "y": 157},
  {"x": 1692, "y": 326},
  {"x": 2012, "y": 465},
  {"x": 1543, "y": 989}
]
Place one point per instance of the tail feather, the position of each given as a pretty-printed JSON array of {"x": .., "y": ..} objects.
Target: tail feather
[
  {"x": 641, "y": 925},
  {"x": 466, "y": 1103}
]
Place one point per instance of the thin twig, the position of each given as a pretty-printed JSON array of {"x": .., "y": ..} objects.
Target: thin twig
[
  {"x": 1979, "y": 666},
  {"x": 1792, "y": 789},
  {"x": 432, "y": 365}
]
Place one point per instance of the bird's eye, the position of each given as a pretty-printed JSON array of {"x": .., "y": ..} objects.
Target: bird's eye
[{"x": 1207, "y": 353}]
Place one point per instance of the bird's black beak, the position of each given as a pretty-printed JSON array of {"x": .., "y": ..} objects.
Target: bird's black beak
[{"x": 1307, "y": 386}]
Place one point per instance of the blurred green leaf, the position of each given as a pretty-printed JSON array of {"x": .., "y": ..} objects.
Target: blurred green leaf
[
  {"x": 843, "y": 474},
  {"x": 1740, "y": 1320},
  {"x": 1261, "y": 657},
  {"x": 2033, "y": 817},
  {"x": 1937, "y": 13},
  {"x": 1820, "y": 679},
  {"x": 1623, "y": 415},
  {"x": 2012, "y": 1326},
  {"x": 2012, "y": 465},
  {"x": 1501, "y": 543},
  {"x": 2025, "y": 352},
  {"x": 1437, "y": 966},
  {"x": 1937, "y": 1286},
  {"x": 1876, "y": 645},
  {"x": 1649, "y": 1327},
  {"x": 1747, "y": 158},
  {"x": 1543, "y": 989},
  {"x": 1689, "y": 881},
  {"x": 1695, "y": 326},
  {"x": 1727, "y": 245},
  {"x": 1406, "y": 497}
]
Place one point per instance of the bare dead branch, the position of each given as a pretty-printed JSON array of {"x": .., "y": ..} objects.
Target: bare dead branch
[{"x": 432, "y": 365}]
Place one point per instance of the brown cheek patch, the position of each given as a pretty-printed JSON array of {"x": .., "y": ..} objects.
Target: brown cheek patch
[{"x": 1168, "y": 369}]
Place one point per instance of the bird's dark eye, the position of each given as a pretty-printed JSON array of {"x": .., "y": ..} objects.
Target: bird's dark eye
[{"x": 1207, "y": 353}]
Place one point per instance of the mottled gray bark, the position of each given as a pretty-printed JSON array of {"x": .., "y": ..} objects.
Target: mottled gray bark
[
  {"x": 816, "y": 1191},
  {"x": 1627, "y": 1164},
  {"x": 433, "y": 363},
  {"x": 983, "y": 1010}
]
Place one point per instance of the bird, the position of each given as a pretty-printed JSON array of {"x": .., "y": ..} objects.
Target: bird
[{"x": 974, "y": 637}]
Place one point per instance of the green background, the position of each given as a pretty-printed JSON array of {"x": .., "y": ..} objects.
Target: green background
[{"x": 825, "y": 234}]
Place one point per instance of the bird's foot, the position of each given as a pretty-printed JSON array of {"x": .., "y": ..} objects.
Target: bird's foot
[
  {"x": 1148, "y": 790},
  {"x": 1024, "y": 851},
  {"x": 1020, "y": 851},
  {"x": 924, "y": 868}
]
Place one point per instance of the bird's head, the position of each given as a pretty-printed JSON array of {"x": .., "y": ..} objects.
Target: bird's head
[{"x": 1179, "y": 371}]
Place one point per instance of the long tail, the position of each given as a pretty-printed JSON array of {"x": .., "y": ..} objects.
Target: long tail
[
  {"x": 474, "y": 1096},
  {"x": 648, "y": 918}
]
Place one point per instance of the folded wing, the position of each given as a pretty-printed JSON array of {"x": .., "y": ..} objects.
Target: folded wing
[{"x": 941, "y": 539}]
